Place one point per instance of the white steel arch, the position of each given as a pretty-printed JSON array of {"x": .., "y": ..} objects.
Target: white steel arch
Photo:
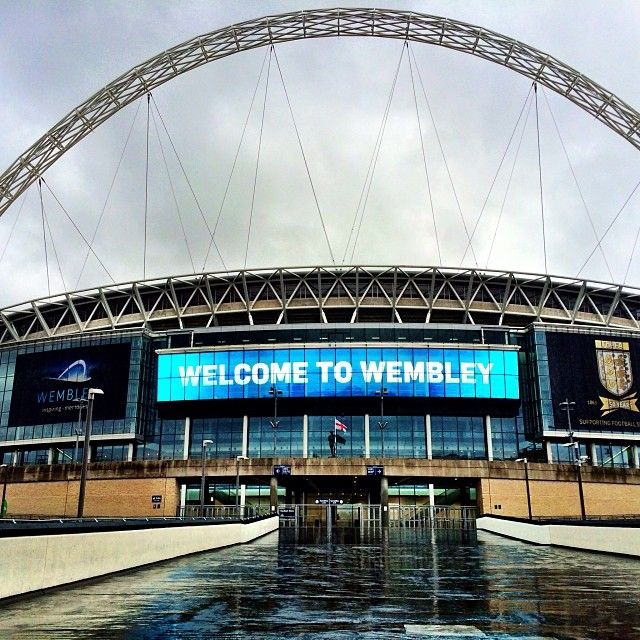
[{"x": 322, "y": 23}]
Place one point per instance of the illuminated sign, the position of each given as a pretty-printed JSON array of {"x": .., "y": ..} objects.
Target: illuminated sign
[
  {"x": 430, "y": 372},
  {"x": 52, "y": 386}
]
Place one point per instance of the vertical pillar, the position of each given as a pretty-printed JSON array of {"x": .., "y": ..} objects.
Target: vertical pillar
[
  {"x": 273, "y": 494},
  {"x": 183, "y": 498},
  {"x": 549, "y": 453},
  {"x": 432, "y": 495},
  {"x": 487, "y": 435},
  {"x": 367, "y": 453},
  {"x": 50, "y": 456},
  {"x": 130, "y": 452},
  {"x": 384, "y": 501},
  {"x": 305, "y": 436},
  {"x": 243, "y": 495},
  {"x": 427, "y": 424},
  {"x": 187, "y": 438},
  {"x": 594, "y": 454},
  {"x": 245, "y": 435},
  {"x": 636, "y": 456}
]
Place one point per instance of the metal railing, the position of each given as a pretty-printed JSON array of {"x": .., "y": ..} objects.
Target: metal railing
[
  {"x": 372, "y": 516},
  {"x": 220, "y": 512}
]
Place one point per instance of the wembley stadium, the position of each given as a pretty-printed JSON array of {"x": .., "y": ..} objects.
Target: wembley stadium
[{"x": 389, "y": 386}]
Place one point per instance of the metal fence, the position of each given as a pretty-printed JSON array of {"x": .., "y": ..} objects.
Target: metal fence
[
  {"x": 373, "y": 516},
  {"x": 218, "y": 512}
]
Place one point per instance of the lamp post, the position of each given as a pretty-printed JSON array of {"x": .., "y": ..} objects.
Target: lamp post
[
  {"x": 526, "y": 479},
  {"x": 3, "y": 504},
  {"x": 205, "y": 444},
  {"x": 382, "y": 424},
  {"x": 85, "y": 453},
  {"x": 275, "y": 392},
  {"x": 78, "y": 430},
  {"x": 577, "y": 459},
  {"x": 238, "y": 458}
]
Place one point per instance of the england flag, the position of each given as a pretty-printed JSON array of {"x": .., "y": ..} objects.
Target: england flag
[{"x": 340, "y": 426}]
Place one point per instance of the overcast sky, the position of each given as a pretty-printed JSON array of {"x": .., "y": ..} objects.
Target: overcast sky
[{"x": 56, "y": 54}]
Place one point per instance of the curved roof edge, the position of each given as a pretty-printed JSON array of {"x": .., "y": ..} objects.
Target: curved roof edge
[{"x": 326, "y": 294}]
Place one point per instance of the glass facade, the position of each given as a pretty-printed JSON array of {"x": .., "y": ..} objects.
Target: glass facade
[
  {"x": 458, "y": 437},
  {"x": 521, "y": 415}
]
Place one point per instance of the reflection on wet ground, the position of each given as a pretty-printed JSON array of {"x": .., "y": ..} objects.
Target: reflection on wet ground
[{"x": 404, "y": 585}]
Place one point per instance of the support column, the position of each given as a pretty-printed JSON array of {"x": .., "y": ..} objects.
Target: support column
[
  {"x": 489, "y": 439},
  {"x": 245, "y": 435},
  {"x": 636, "y": 456},
  {"x": 432, "y": 495},
  {"x": 183, "y": 498},
  {"x": 427, "y": 425},
  {"x": 273, "y": 494},
  {"x": 130, "y": 452},
  {"x": 367, "y": 453},
  {"x": 549, "y": 454},
  {"x": 594, "y": 454},
  {"x": 50, "y": 456},
  {"x": 384, "y": 501},
  {"x": 187, "y": 438},
  {"x": 305, "y": 436}
]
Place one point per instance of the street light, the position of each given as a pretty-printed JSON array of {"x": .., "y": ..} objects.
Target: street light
[
  {"x": 577, "y": 458},
  {"x": 526, "y": 479},
  {"x": 382, "y": 424},
  {"x": 78, "y": 430},
  {"x": 238, "y": 458},
  {"x": 205, "y": 444},
  {"x": 85, "y": 453},
  {"x": 275, "y": 392},
  {"x": 3, "y": 504}
]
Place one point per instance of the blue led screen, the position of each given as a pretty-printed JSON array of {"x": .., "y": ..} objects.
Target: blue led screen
[{"x": 346, "y": 372}]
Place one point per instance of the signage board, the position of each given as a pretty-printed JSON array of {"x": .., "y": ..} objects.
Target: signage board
[
  {"x": 51, "y": 386},
  {"x": 281, "y": 470},
  {"x": 429, "y": 372},
  {"x": 375, "y": 470},
  {"x": 156, "y": 499},
  {"x": 330, "y": 501},
  {"x": 287, "y": 513},
  {"x": 600, "y": 375}
]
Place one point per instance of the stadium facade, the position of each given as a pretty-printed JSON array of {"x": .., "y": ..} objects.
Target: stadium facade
[{"x": 441, "y": 381}]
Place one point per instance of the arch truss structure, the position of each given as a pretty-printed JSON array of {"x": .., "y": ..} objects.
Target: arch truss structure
[
  {"x": 326, "y": 295},
  {"x": 323, "y": 23}
]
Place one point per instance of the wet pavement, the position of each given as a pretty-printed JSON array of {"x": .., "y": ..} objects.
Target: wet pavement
[{"x": 406, "y": 585}]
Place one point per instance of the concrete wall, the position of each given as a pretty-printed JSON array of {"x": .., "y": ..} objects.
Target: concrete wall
[
  {"x": 557, "y": 498},
  {"x": 121, "y": 497},
  {"x": 31, "y": 563},
  {"x": 622, "y": 540}
]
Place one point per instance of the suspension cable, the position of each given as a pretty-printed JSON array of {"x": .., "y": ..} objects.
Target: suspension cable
[
  {"x": 255, "y": 174},
  {"x": 424, "y": 157},
  {"x": 44, "y": 235},
  {"x": 575, "y": 179},
  {"x": 633, "y": 250},
  {"x": 366, "y": 187},
  {"x": 508, "y": 187},
  {"x": 446, "y": 164},
  {"x": 173, "y": 193},
  {"x": 603, "y": 236},
  {"x": 235, "y": 159},
  {"x": 13, "y": 226},
  {"x": 55, "y": 251},
  {"x": 186, "y": 177},
  {"x": 304, "y": 157},
  {"x": 495, "y": 177},
  {"x": 75, "y": 226},
  {"x": 106, "y": 200},
  {"x": 544, "y": 235},
  {"x": 146, "y": 192}
]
